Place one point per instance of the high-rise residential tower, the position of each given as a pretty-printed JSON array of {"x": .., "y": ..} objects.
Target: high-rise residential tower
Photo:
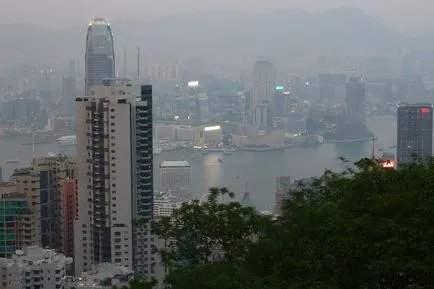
[
  {"x": 114, "y": 175},
  {"x": 262, "y": 95},
  {"x": 415, "y": 132},
  {"x": 100, "y": 55}
]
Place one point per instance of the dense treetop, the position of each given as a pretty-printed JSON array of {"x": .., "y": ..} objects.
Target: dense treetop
[{"x": 361, "y": 228}]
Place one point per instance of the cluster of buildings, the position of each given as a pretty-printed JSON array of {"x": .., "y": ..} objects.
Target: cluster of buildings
[
  {"x": 87, "y": 210},
  {"x": 414, "y": 145},
  {"x": 38, "y": 210}
]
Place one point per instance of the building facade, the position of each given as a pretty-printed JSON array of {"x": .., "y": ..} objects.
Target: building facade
[
  {"x": 283, "y": 184},
  {"x": 262, "y": 92},
  {"x": 27, "y": 182},
  {"x": 69, "y": 193},
  {"x": 114, "y": 175},
  {"x": 53, "y": 172},
  {"x": 175, "y": 177},
  {"x": 415, "y": 132},
  {"x": 14, "y": 214},
  {"x": 355, "y": 100},
  {"x": 100, "y": 55}
]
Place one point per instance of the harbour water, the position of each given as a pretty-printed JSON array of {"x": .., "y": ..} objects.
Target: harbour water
[{"x": 255, "y": 172}]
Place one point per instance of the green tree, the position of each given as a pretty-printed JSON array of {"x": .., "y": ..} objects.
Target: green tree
[
  {"x": 200, "y": 235},
  {"x": 363, "y": 228},
  {"x": 140, "y": 283}
]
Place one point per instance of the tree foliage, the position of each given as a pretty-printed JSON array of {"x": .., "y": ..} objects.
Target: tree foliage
[{"x": 361, "y": 228}]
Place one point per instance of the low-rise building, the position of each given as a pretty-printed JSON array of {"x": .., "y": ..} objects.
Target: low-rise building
[
  {"x": 33, "y": 267},
  {"x": 104, "y": 276},
  {"x": 165, "y": 204},
  {"x": 175, "y": 177}
]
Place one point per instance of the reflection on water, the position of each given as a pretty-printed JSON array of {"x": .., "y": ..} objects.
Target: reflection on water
[
  {"x": 254, "y": 171},
  {"x": 353, "y": 151}
]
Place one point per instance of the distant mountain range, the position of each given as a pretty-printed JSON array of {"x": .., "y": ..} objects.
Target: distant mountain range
[{"x": 226, "y": 39}]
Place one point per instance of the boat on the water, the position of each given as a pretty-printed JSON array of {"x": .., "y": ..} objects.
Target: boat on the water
[
  {"x": 69, "y": 140},
  {"x": 12, "y": 161},
  {"x": 205, "y": 151}
]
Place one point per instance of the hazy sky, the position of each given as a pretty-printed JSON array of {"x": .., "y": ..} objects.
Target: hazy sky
[{"x": 400, "y": 14}]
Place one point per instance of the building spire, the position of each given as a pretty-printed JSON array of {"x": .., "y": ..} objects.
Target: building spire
[
  {"x": 125, "y": 61},
  {"x": 138, "y": 64}
]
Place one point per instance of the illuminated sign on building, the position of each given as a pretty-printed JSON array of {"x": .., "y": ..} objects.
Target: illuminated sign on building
[
  {"x": 194, "y": 83},
  {"x": 211, "y": 128},
  {"x": 280, "y": 87},
  {"x": 387, "y": 164},
  {"x": 425, "y": 110}
]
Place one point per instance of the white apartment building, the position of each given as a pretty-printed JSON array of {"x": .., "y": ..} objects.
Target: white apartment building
[
  {"x": 33, "y": 267},
  {"x": 165, "y": 204},
  {"x": 104, "y": 276},
  {"x": 175, "y": 177},
  {"x": 114, "y": 175}
]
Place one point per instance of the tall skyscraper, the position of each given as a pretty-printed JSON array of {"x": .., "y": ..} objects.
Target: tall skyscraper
[
  {"x": 114, "y": 176},
  {"x": 415, "y": 132},
  {"x": 355, "y": 100},
  {"x": 262, "y": 95},
  {"x": 100, "y": 55}
]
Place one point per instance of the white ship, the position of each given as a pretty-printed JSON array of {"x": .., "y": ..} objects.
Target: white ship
[{"x": 69, "y": 140}]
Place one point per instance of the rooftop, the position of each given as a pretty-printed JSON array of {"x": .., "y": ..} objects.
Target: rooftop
[
  {"x": 404, "y": 104},
  {"x": 34, "y": 255},
  {"x": 174, "y": 164},
  {"x": 24, "y": 172}
]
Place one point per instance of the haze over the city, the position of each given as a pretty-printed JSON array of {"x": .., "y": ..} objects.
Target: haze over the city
[{"x": 403, "y": 15}]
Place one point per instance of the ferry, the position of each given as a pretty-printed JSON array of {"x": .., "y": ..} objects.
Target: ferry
[
  {"x": 12, "y": 161},
  {"x": 205, "y": 151},
  {"x": 69, "y": 140}
]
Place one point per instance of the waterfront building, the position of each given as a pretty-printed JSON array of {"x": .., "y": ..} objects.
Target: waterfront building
[
  {"x": 175, "y": 177},
  {"x": 262, "y": 93},
  {"x": 415, "y": 132}
]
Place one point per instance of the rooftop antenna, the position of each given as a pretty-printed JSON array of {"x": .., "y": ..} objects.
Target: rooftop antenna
[
  {"x": 125, "y": 60},
  {"x": 33, "y": 146},
  {"x": 138, "y": 64}
]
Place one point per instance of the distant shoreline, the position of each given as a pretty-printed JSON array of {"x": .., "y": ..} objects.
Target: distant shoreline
[{"x": 364, "y": 139}]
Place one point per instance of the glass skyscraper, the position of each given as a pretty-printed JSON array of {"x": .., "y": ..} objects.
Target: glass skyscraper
[
  {"x": 100, "y": 55},
  {"x": 415, "y": 130},
  {"x": 12, "y": 210}
]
